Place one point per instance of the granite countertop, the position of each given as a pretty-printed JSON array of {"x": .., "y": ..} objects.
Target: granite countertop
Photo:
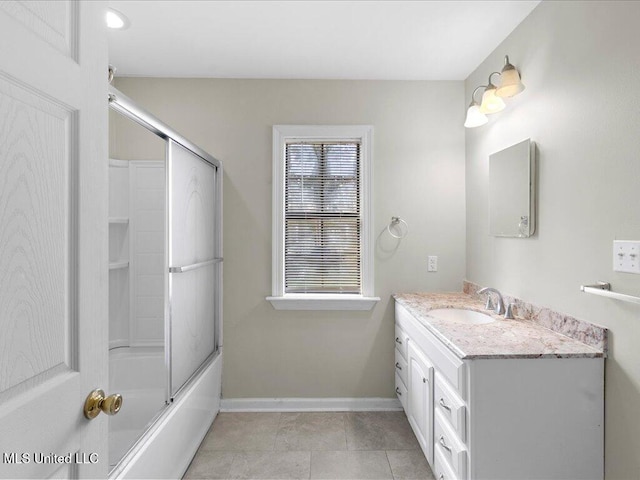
[{"x": 519, "y": 338}]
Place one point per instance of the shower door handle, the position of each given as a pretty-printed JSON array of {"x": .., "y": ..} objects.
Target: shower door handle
[
  {"x": 97, "y": 402},
  {"x": 193, "y": 266}
]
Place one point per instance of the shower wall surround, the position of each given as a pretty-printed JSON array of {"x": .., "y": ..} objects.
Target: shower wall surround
[
  {"x": 119, "y": 257},
  {"x": 148, "y": 234},
  {"x": 136, "y": 243}
]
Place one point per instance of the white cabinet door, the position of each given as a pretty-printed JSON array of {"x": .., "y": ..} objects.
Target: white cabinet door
[
  {"x": 53, "y": 237},
  {"x": 419, "y": 398}
]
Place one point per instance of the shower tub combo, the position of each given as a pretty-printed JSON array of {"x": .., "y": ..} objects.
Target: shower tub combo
[{"x": 165, "y": 280}]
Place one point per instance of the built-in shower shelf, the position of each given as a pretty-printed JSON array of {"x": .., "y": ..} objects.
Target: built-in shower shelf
[
  {"x": 118, "y": 265},
  {"x": 118, "y": 220}
]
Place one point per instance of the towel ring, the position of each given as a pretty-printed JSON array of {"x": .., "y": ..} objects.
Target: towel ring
[{"x": 396, "y": 221}]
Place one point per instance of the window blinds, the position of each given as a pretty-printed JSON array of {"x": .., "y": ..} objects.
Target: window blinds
[{"x": 322, "y": 218}]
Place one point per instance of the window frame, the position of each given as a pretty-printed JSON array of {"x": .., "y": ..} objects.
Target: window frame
[{"x": 282, "y": 134}]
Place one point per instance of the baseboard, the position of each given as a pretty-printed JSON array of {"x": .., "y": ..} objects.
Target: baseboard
[{"x": 309, "y": 404}]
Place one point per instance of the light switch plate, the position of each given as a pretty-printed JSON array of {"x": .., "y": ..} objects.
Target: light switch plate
[
  {"x": 432, "y": 263},
  {"x": 626, "y": 256}
]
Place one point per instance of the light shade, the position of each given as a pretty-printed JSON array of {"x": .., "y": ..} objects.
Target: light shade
[
  {"x": 117, "y": 20},
  {"x": 490, "y": 102},
  {"x": 475, "y": 117},
  {"x": 510, "y": 82}
]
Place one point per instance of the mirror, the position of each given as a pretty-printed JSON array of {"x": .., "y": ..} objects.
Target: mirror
[{"x": 512, "y": 191}]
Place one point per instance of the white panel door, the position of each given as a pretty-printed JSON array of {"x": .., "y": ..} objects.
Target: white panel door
[
  {"x": 192, "y": 258},
  {"x": 53, "y": 237}
]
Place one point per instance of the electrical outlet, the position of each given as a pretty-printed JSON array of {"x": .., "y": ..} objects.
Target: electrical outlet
[
  {"x": 626, "y": 256},
  {"x": 432, "y": 263}
]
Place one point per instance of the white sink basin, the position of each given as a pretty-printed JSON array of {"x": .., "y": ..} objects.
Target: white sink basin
[{"x": 461, "y": 315}]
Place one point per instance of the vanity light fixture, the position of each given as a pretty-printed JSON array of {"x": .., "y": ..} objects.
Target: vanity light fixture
[
  {"x": 510, "y": 81},
  {"x": 116, "y": 20},
  {"x": 475, "y": 117},
  {"x": 491, "y": 103},
  {"x": 492, "y": 99}
]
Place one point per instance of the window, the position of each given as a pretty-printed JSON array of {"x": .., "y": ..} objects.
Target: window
[{"x": 322, "y": 248}]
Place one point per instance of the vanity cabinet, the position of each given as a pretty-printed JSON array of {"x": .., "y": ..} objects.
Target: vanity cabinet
[{"x": 493, "y": 417}]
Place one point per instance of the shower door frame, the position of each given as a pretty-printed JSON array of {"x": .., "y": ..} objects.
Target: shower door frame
[
  {"x": 122, "y": 104},
  {"x": 171, "y": 269}
]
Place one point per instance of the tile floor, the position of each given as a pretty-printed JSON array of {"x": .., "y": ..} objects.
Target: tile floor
[{"x": 313, "y": 445}]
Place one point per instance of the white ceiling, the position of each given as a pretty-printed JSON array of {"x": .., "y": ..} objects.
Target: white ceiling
[{"x": 341, "y": 39}]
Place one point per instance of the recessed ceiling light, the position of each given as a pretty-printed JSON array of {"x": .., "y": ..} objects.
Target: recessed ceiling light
[{"x": 117, "y": 20}]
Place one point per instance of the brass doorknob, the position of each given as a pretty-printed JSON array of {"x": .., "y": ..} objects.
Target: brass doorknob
[{"x": 97, "y": 402}]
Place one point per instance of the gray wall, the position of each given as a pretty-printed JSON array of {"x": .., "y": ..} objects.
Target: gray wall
[
  {"x": 418, "y": 175},
  {"x": 580, "y": 62}
]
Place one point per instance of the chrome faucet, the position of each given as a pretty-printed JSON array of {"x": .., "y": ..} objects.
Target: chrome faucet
[{"x": 499, "y": 309}]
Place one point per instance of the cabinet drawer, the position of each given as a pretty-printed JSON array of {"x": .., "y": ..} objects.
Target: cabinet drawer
[
  {"x": 451, "y": 406},
  {"x": 447, "y": 443},
  {"x": 441, "y": 469},
  {"x": 401, "y": 392},
  {"x": 401, "y": 366},
  {"x": 401, "y": 341}
]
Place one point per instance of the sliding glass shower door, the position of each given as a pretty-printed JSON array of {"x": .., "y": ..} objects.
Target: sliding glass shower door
[
  {"x": 194, "y": 262},
  {"x": 165, "y": 281}
]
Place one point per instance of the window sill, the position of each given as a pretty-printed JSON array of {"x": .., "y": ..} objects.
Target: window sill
[{"x": 323, "y": 302}]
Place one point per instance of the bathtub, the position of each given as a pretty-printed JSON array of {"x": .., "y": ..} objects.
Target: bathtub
[
  {"x": 170, "y": 433},
  {"x": 139, "y": 375}
]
